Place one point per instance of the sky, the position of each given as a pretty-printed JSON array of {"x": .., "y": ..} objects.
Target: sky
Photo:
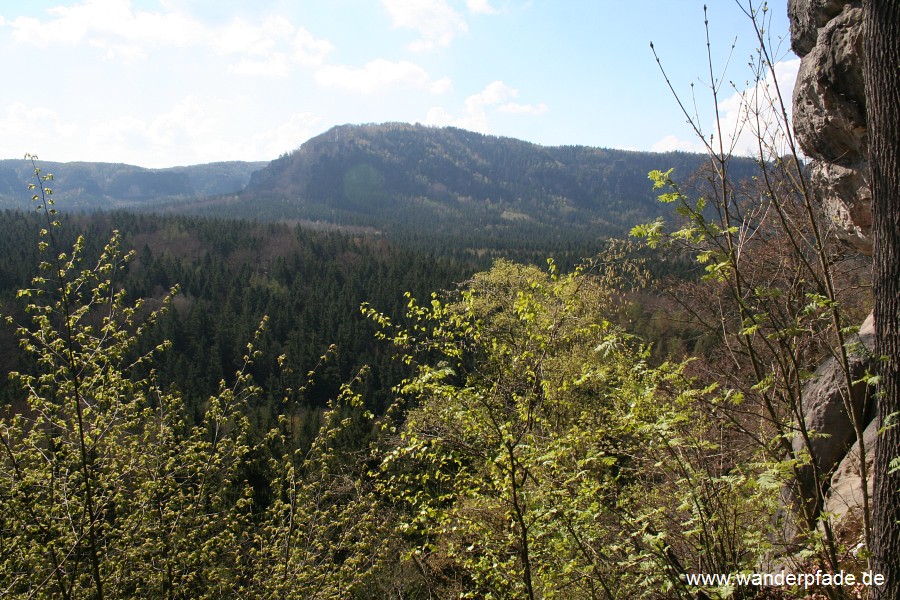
[{"x": 159, "y": 83}]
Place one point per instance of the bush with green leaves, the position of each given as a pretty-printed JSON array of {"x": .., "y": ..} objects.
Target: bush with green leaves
[
  {"x": 107, "y": 488},
  {"x": 779, "y": 294},
  {"x": 543, "y": 457}
]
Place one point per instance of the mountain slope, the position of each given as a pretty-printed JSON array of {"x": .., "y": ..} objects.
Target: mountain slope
[
  {"x": 93, "y": 186},
  {"x": 452, "y": 181},
  {"x": 458, "y": 187}
]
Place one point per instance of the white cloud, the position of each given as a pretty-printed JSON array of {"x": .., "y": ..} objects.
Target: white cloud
[
  {"x": 495, "y": 93},
  {"x": 287, "y": 136},
  {"x": 185, "y": 135},
  {"x": 435, "y": 20},
  {"x": 173, "y": 135},
  {"x": 748, "y": 116},
  {"x": 108, "y": 24},
  {"x": 276, "y": 65},
  {"x": 481, "y": 7},
  {"x": 127, "y": 35},
  {"x": 439, "y": 117},
  {"x": 440, "y": 86},
  {"x": 514, "y": 108},
  {"x": 376, "y": 75},
  {"x": 41, "y": 126},
  {"x": 187, "y": 119},
  {"x": 118, "y": 132},
  {"x": 494, "y": 97},
  {"x": 309, "y": 50},
  {"x": 756, "y": 114},
  {"x": 476, "y": 117},
  {"x": 241, "y": 37},
  {"x": 671, "y": 143}
]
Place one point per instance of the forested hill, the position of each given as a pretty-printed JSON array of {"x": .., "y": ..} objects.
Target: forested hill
[
  {"x": 453, "y": 181},
  {"x": 449, "y": 186},
  {"x": 100, "y": 186}
]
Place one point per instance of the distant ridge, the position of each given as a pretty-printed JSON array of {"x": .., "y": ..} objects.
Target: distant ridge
[
  {"x": 95, "y": 186},
  {"x": 395, "y": 177}
]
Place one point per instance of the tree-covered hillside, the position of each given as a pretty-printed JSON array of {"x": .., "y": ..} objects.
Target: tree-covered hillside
[
  {"x": 456, "y": 182},
  {"x": 448, "y": 186},
  {"x": 104, "y": 186}
]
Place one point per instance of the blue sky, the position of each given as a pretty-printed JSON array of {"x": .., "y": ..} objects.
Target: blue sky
[{"x": 171, "y": 82}]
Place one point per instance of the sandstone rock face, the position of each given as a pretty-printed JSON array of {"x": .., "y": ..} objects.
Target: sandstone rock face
[
  {"x": 825, "y": 408},
  {"x": 830, "y": 125},
  {"x": 807, "y": 16},
  {"x": 830, "y": 112},
  {"x": 845, "y": 194},
  {"x": 844, "y": 497},
  {"x": 829, "y": 97}
]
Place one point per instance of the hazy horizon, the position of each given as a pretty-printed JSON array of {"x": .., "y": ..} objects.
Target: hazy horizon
[{"x": 160, "y": 83}]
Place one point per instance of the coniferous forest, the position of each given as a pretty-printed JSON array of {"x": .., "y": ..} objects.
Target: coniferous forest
[{"x": 201, "y": 407}]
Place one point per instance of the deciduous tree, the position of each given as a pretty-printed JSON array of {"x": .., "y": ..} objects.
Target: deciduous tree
[{"x": 882, "y": 74}]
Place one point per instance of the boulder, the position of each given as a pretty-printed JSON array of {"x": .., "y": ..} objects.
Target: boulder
[
  {"x": 844, "y": 500},
  {"x": 825, "y": 410}
]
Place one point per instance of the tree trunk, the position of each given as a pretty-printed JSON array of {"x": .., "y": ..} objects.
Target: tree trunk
[{"x": 882, "y": 73}]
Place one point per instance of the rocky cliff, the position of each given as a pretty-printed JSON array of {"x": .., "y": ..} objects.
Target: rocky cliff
[
  {"x": 830, "y": 111},
  {"x": 830, "y": 124}
]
